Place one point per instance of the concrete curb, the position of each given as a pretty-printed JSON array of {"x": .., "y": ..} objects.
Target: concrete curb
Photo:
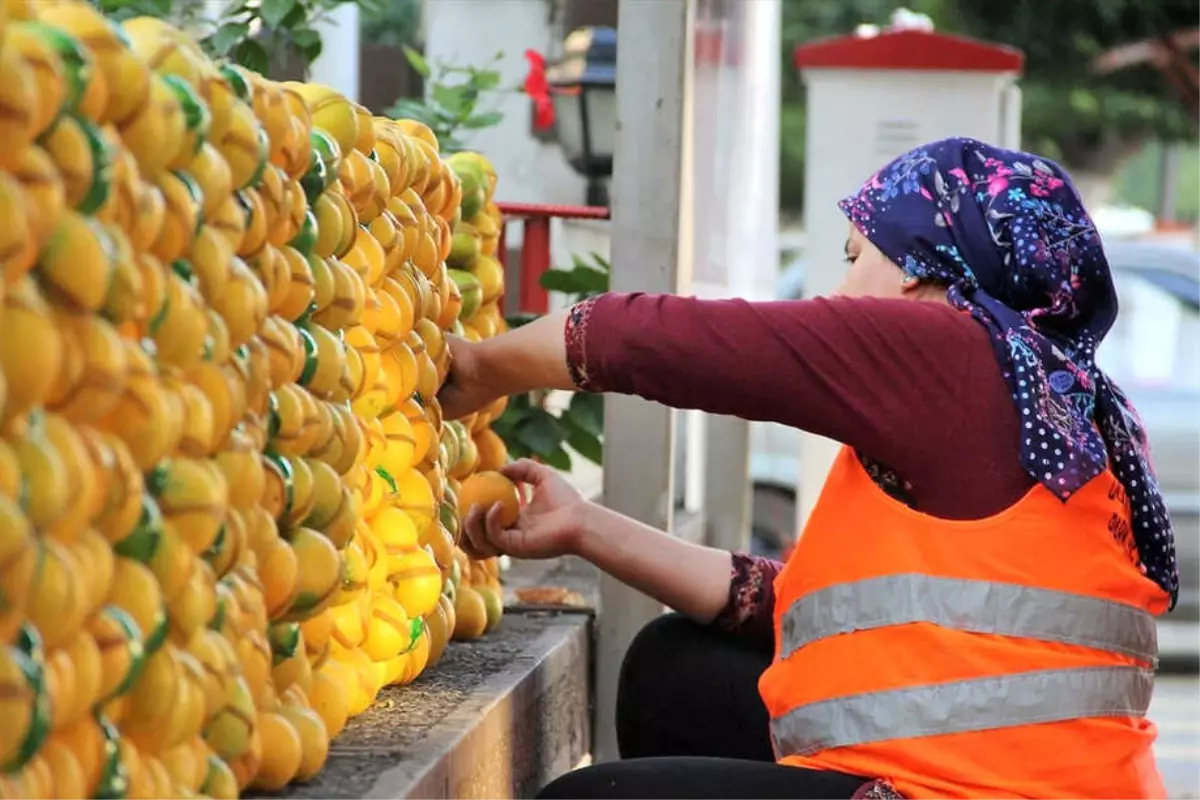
[
  {"x": 521, "y": 729},
  {"x": 498, "y": 718}
]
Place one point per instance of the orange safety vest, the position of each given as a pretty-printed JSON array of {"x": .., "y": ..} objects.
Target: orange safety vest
[{"x": 1011, "y": 656}]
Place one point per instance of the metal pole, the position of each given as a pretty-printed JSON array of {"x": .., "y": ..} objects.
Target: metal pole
[{"x": 650, "y": 220}]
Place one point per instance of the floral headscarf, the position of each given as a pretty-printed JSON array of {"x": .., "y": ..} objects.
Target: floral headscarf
[{"x": 1007, "y": 232}]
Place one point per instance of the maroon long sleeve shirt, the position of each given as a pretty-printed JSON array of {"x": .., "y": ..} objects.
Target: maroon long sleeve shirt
[{"x": 912, "y": 387}]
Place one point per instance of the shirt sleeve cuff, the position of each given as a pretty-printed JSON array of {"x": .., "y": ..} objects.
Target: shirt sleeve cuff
[
  {"x": 576, "y": 334},
  {"x": 751, "y": 593}
]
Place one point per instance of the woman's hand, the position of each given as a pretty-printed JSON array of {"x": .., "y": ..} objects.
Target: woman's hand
[
  {"x": 466, "y": 388},
  {"x": 549, "y": 525},
  {"x": 533, "y": 356}
]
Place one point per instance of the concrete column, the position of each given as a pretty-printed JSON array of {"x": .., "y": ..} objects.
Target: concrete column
[
  {"x": 337, "y": 66},
  {"x": 747, "y": 164},
  {"x": 650, "y": 245}
]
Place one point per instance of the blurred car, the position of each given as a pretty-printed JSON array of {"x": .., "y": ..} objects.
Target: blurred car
[{"x": 1152, "y": 352}]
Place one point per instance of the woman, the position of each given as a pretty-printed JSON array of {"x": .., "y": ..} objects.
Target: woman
[{"x": 969, "y": 612}]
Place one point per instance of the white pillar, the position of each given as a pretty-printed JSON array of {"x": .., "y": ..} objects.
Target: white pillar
[
  {"x": 743, "y": 240},
  {"x": 337, "y": 66},
  {"x": 651, "y": 240}
]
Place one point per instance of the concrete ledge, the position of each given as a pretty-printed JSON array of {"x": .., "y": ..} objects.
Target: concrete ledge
[{"x": 497, "y": 718}]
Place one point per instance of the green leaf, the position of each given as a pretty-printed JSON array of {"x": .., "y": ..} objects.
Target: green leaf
[
  {"x": 309, "y": 43},
  {"x": 485, "y": 120},
  {"x": 506, "y": 424},
  {"x": 486, "y": 79},
  {"x": 587, "y": 446},
  {"x": 580, "y": 280},
  {"x": 251, "y": 54},
  {"x": 558, "y": 458},
  {"x": 451, "y": 98},
  {"x": 411, "y": 109},
  {"x": 297, "y": 17},
  {"x": 541, "y": 432},
  {"x": 274, "y": 11},
  {"x": 226, "y": 36},
  {"x": 416, "y": 61},
  {"x": 586, "y": 411},
  {"x": 387, "y": 476},
  {"x": 305, "y": 37},
  {"x": 600, "y": 262}
]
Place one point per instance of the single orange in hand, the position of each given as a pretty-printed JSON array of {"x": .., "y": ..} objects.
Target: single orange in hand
[{"x": 486, "y": 489}]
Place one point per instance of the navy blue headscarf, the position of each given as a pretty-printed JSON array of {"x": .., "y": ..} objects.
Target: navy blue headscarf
[{"x": 1008, "y": 234}]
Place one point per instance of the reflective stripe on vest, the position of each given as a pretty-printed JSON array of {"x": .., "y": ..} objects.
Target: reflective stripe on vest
[
  {"x": 1005, "y": 609},
  {"x": 978, "y": 704}
]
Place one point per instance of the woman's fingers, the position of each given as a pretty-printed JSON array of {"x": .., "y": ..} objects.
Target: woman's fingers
[
  {"x": 475, "y": 537},
  {"x": 496, "y": 535},
  {"x": 525, "y": 471}
]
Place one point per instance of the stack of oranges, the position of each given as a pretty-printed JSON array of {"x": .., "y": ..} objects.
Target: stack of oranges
[{"x": 228, "y": 502}]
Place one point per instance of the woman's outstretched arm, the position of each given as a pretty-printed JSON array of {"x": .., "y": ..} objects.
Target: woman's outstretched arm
[{"x": 862, "y": 371}]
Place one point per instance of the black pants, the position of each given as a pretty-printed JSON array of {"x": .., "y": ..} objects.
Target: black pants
[{"x": 690, "y": 724}]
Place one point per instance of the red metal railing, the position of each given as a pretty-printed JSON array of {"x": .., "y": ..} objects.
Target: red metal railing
[{"x": 535, "y": 246}]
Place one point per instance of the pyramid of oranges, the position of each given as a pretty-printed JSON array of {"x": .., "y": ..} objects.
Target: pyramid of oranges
[{"x": 229, "y": 505}]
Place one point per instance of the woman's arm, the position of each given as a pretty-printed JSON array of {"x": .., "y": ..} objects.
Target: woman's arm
[
  {"x": 690, "y": 578},
  {"x": 862, "y": 371}
]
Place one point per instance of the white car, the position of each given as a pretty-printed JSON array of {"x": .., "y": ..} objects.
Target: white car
[{"x": 1153, "y": 353}]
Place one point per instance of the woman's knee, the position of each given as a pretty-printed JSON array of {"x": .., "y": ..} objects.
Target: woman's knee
[{"x": 659, "y": 645}]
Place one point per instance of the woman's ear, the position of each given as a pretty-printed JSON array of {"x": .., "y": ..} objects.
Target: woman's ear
[{"x": 910, "y": 283}]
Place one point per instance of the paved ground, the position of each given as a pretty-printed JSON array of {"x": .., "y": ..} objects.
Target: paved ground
[{"x": 1176, "y": 711}]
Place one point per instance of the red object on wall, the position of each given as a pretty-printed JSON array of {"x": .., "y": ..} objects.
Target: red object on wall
[
  {"x": 908, "y": 49},
  {"x": 535, "y": 246}
]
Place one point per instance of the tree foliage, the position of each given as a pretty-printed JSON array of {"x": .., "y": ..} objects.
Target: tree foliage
[
  {"x": 458, "y": 99},
  {"x": 248, "y": 32},
  {"x": 1088, "y": 121}
]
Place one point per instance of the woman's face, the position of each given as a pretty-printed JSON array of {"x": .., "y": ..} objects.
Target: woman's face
[{"x": 871, "y": 273}]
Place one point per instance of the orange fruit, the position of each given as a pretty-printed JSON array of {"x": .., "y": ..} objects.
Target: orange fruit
[{"x": 489, "y": 488}]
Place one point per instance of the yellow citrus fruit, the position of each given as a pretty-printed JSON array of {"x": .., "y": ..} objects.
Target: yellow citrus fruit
[
  {"x": 331, "y": 112},
  {"x": 192, "y": 494},
  {"x": 79, "y": 261},
  {"x": 301, "y": 291},
  {"x": 182, "y": 215},
  {"x": 470, "y": 614},
  {"x": 486, "y": 489},
  {"x": 245, "y": 146},
  {"x": 21, "y": 106},
  {"x": 314, "y": 740},
  {"x": 367, "y": 258},
  {"x": 399, "y": 454},
  {"x": 136, "y": 592},
  {"x": 42, "y": 183},
  {"x": 388, "y": 630},
  {"x": 282, "y": 752},
  {"x": 211, "y": 172},
  {"x": 18, "y": 559},
  {"x": 320, "y": 573},
  {"x": 415, "y": 498},
  {"x": 46, "y": 67},
  {"x": 18, "y": 248},
  {"x": 329, "y": 698},
  {"x": 119, "y": 641},
  {"x": 155, "y": 131},
  {"x": 418, "y": 583}
]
